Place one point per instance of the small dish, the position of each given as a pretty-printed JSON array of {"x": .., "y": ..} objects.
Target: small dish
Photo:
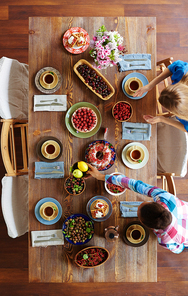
[
  {"x": 90, "y": 204},
  {"x": 39, "y": 145},
  {"x": 132, "y": 164},
  {"x": 38, "y": 80},
  {"x": 113, "y": 193},
  {"x": 86, "y": 253},
  {"x": 87, "y": 226},
  {"x": 122, "y": 111},
  {"x": 135, "y": 234},
  {"x": 50, "y": 149},
  {"x": 74, "y": 186},
  {"x": 37, "y": 211}
]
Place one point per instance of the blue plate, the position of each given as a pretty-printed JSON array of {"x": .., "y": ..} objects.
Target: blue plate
[
  {"x": 37, "y": 211},
  {"x": 141, "y": 77},
  {"x": 101, "y": 198},
  {"x": 72, "y": 217}
]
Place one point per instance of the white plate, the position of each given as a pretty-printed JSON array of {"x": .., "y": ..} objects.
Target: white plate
[{"x": 136, "y": 165}]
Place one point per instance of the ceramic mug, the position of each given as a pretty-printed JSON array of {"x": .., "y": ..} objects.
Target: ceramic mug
[
  {"x": 48, "y": 211},
  {"x": 133, "y": 85},
  {"x": 48, "y": 78},
  {"x": 135, "y": 154}
]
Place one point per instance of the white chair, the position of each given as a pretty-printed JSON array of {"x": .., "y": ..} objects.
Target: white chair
[
  {"x": 14, "y": 202},
  {"x": 14, "y": 88}
]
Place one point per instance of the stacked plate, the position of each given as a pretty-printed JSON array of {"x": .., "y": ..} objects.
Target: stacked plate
[
  {"x": 137, "y": 160},
  {"x": 48, "y": 80}
]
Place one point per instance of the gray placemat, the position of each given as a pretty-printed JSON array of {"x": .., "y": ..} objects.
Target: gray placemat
[
  {"x": 135, "y": 61},
  {"x": 136, "y": 131},
  {"x": 129, "y": 208}
]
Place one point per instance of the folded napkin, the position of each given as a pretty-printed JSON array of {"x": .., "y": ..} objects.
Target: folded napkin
[
  {"x": 46, "y": 238},
  {"x": 136, "y": 131},
  {"x": 54, "y": 170},
  {"x": 129, "y": 208},
  {"x": 50, "y": 103},
  {"x": 135, "y": 61}
]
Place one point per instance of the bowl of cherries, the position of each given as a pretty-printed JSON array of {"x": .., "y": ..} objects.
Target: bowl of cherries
[{"x": 122, "y": 111}]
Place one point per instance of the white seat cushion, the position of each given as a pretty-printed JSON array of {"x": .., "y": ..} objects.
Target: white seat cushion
[
  {"x": 14, "y": 201},
  {"x": 14, "y": 85},
  {"x": 172, "y": 150}
]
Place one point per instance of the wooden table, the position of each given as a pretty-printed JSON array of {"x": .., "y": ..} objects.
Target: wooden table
[{"x": 55, "y": 264}]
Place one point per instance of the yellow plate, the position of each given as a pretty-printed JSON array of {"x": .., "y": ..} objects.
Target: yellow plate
[
  {"x": 47, "y": 155},
  {"x": 48, "y": 86},
  {"x": 49, "y": 204},
  {"x": 128, "y": 154}
]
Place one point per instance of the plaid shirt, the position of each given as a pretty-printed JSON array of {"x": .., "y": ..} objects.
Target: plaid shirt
[{"x": 175, "y": 236}]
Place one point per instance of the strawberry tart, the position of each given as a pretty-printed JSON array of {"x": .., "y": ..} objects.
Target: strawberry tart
[
  {"x": 84, "y": 120},
  {"x": 100, "y": 154}
]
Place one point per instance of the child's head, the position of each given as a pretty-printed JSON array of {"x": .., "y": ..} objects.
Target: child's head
[
  {"x": 154, "y": 215},
  {"x": 175, "y": 98}
]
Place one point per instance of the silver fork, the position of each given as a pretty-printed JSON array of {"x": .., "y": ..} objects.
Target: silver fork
[
  {"x": 138, "y": 132},
  {"x": 57, "y": 167},
  {"x": 50, "y": 235}
]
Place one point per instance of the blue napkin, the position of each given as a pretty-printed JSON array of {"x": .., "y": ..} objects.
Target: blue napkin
[
  {"x": 129, "y": 208},
  {"x": 136, "y": 131},
  {"x": 135, "y": 61},
  {"x": 54, "y": 170}
]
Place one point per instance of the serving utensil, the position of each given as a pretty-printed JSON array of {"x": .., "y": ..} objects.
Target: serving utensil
[{"x": 57, "y": 167}]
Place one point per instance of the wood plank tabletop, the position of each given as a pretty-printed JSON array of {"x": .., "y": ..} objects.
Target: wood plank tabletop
[{"x": 55, "y": 263}]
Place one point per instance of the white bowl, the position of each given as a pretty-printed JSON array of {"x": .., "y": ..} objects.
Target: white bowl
[{"x": 115, "y": 194}]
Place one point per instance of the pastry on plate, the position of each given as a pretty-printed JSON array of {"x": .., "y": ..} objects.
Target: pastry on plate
[{"x": 72, "y": 40}]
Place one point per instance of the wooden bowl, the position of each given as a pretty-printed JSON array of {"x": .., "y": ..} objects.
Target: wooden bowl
[
  {"x": 78, "y": 180},
  {"x": 81, "y": 62},
  {"x": 107, "y": 255},
  {"x": 124, "y": 102}
]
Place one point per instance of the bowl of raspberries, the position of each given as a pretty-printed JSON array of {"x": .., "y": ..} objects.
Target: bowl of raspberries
[{"x": 122, "y": 111}]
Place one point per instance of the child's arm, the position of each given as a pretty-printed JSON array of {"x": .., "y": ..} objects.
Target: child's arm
[
  {"x": 155, "y": 119},
  {"x": 153, "y": 83}
]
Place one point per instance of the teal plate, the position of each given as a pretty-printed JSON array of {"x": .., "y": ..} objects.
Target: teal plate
[{"x": 69, "y": 124}]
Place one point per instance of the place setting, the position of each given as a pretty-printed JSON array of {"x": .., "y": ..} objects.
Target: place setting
[
  {"x": 44, "y": 238},
  {"x": 135, "y": 155},
  {"x": 48, "y": 80}
]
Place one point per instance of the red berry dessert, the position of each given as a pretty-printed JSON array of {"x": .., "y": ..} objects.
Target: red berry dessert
[
  {"x": 84, "y": 120},
  {"x": 122, "y": 111},
  {"x": 99, "y": 209}
]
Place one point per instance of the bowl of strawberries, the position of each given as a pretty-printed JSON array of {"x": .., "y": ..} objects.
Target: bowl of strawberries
[{"x": 122, "y": 111}]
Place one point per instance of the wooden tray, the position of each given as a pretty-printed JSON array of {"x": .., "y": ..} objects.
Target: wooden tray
[{"x": 82, "y": 61}]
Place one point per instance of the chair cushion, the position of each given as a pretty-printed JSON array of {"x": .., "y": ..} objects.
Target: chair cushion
[
  {"x": 14, "y": 85},
  {"x": 14, "y": 201},
  {"x": 172, "y": 150}
]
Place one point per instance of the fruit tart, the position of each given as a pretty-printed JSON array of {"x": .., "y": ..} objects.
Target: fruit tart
[
  {"x": 84, "y": 120},
  {"x": 100, "y": 209}
]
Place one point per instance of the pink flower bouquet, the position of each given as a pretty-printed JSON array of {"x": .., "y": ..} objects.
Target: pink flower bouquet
[{"x": 107, "y": 46}]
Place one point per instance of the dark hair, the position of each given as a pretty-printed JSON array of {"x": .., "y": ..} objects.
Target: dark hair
[{"x": 154, "y": 215}]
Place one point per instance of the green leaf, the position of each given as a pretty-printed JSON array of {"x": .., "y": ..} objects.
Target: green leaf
[
  {"x": 85, "y": 256},
  {"x": 88, "y": 230}
]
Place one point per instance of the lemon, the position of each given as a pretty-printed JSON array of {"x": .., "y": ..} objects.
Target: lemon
[
  {"x": 77, "y": 173},
  {"x": 82, "y": 166}
]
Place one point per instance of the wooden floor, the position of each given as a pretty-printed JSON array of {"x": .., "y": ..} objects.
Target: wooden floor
[{"x": 172, "y": 40}]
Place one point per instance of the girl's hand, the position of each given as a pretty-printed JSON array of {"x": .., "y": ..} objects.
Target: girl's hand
[
  {"x": 153, "y": 119},
  {"x": 93, "y": 172},
  {"x": 141, "y": 91}
]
